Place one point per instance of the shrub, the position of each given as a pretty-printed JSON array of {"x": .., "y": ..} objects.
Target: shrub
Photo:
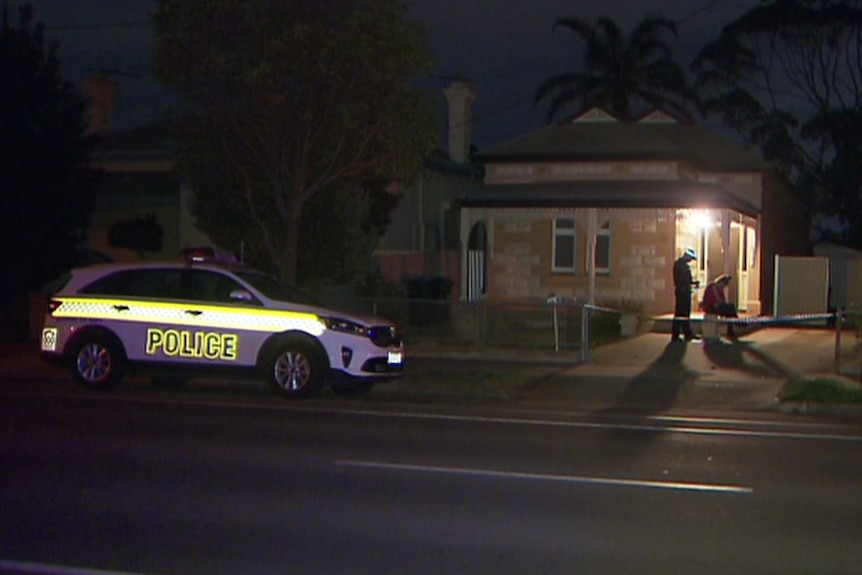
[{"x": 821, "y": 389}]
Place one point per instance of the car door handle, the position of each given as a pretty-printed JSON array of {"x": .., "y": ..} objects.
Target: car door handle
[
  {"x": 194, "y": 312},
  {"x": 119, "y": 307}
]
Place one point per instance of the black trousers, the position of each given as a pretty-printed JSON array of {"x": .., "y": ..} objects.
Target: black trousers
[
  {"x": 681, "y": 324},
  {"x": 726, "y": 309}
]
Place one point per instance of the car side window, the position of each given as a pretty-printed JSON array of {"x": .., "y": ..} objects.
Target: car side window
[
  {"x": 148, "y": 283},
  {"x": 209, "y": 286}
]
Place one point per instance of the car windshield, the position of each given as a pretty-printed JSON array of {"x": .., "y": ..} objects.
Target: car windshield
[{"x": 274, "y": 289}]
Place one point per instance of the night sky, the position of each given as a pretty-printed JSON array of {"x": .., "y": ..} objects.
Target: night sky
[{"x": 504, "y": 47}]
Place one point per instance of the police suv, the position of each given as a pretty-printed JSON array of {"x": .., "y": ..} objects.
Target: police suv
[{"x": 173, "y": 321}]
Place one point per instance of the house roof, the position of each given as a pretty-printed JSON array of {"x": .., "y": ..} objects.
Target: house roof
[
  {"x": 161, "y": 141},
  {"x": 600, "y": 137},
  {"x": 439, "y": 161},
  {"x": 156, "y": 141},
  {"x": 609, "y": 194}
]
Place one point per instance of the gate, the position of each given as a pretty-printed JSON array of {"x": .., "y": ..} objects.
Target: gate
[{"x": 801, "y": 285}]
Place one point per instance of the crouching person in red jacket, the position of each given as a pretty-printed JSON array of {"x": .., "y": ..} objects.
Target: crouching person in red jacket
[{"x": 715, "y": 301}]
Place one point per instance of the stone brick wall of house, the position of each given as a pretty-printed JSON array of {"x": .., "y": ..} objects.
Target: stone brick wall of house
[
  {"x": 642, "y": 254},
  {"x": 516, "y": 268},
  {"x": 785, "y": 225}
]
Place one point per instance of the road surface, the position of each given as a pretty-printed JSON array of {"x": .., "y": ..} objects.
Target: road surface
[{"x": 181, "y": 482}]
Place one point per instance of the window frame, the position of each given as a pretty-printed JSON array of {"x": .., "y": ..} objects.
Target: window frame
[
  {"x": 559, "y": 233},
  {"x": 606, "y": 233}
]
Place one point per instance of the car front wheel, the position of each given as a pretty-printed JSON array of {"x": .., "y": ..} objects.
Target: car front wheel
[{"x": 295, "y": 370}]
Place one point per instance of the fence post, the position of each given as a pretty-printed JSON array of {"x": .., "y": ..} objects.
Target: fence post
[
  {"x": 480, "y": 325},
  {"x": 585, "y": 333},
  {"x": 554, "y": 300},
  {"x": 839, "y": 317},
  {"x": 556, "y": 329}
]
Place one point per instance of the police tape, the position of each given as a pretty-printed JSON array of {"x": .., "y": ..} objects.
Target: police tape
[
  {"x": 591, "y": 307},
  {"x": 751, "y": 319},
  {"x": 765, "y": 319}
]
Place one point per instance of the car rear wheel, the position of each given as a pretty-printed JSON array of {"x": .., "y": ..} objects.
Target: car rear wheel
[
  {"x": 98, "y": 362},
  {"x": 295, "y": 370}
]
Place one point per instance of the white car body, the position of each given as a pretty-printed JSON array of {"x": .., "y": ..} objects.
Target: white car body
[{"x": 215, "y": 316}]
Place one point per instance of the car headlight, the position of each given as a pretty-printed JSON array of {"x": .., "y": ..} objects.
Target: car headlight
[{"x": 345, "y": 326}]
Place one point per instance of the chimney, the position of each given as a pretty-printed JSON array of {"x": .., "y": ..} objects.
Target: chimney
[
  {"x": 101, "y": 93},
  {"x": 460, "y": 96}
]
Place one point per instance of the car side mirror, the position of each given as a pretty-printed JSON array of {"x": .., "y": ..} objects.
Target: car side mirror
[{"x": 241, "y": 295}]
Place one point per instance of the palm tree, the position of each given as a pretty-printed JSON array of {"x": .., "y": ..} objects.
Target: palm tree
[{"x": 622, "y": 75}]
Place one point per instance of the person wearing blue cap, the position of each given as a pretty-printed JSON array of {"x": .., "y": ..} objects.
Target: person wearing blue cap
[{"x": 682, "y": 284}]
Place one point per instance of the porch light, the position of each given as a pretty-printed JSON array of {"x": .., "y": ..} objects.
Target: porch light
[{"x": 701, "y": 219}]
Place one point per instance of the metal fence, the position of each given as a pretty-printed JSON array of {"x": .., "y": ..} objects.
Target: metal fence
[
  {"x": 550, "y": 325},
  {"x": 848, "y": 342},
  {"x": 569, "y": 327},
  {"x": 846, "y": 325}
]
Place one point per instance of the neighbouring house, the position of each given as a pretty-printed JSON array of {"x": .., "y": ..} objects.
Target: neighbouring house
[
  {"x": 845, "y": 275},
  {"x": 139, "y": 178},
  {"x": 422, "y": 240},
  {"x": 597, "y": 210}
]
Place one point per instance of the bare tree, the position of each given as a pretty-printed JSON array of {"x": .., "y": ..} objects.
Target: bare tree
[{"x": 787, "y": 76}]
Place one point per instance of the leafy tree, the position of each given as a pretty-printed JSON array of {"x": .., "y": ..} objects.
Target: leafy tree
[
  {"x": 291, "y": 99},
  {"x": 337, "y": 240},
  {"x": 787, "y": 77},
  {"x": 141, "y": 235},
  {"x": 46, "y": 187},
  {"x": 625, "y": 76},
  {"x": 339, "y": 228}
]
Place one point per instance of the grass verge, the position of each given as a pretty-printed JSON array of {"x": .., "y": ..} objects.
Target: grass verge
[
  {"x": 821, "y": 390},
  {"x": 499, "y": 380}
]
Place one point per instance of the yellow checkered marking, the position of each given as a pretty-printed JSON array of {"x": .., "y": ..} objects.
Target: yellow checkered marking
[{"x": 212, "y": 316}]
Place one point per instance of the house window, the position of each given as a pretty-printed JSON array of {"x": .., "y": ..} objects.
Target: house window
[
  {"x": 603, "y": 249},
  {"x": 565, "y": 243}
]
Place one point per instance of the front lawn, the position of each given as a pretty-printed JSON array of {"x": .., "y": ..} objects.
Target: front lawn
[{"x": 822, "y": 390}]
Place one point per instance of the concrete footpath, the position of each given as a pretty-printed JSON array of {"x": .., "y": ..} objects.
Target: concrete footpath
[
  {"x": 647, "y": 372},
  {"x": 650, "y": 373}
]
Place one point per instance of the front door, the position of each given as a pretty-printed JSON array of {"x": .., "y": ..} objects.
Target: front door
[
  {"x": 746, "y": 259},
  {"x": 476, "y": 261}
]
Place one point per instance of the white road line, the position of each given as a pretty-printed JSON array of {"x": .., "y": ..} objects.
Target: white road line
[
  {"x": 48, "y": 569},
  {"x": 671, "y": 485},
  {"x": 653, "y": 423},
  {"x": 652, "y": 427}
]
